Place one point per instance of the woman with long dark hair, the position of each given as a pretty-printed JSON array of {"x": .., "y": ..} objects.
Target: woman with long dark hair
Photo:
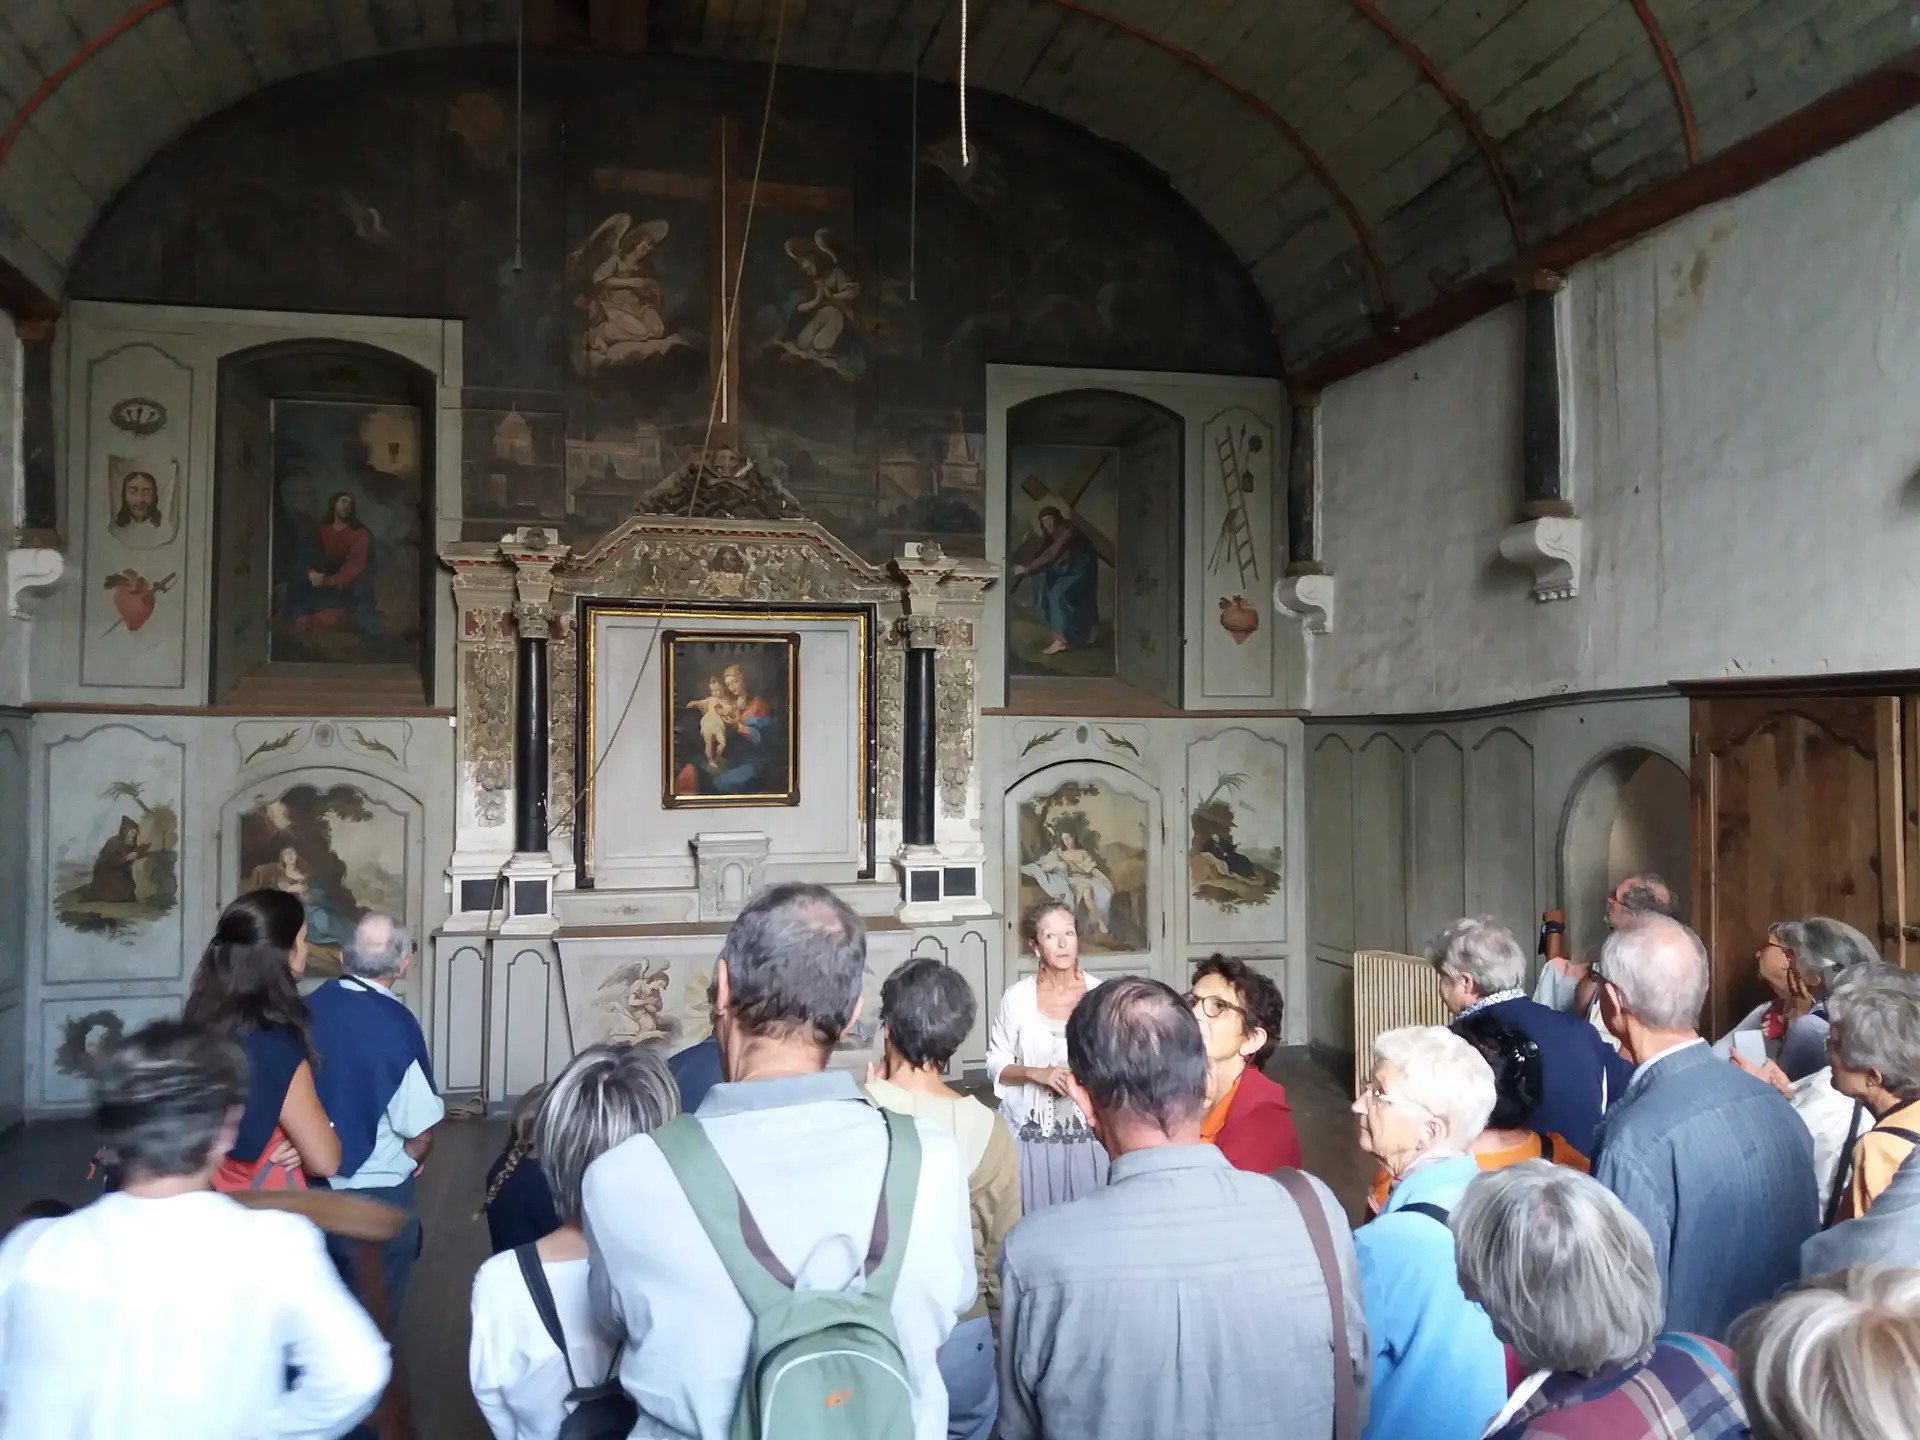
[{"x": 246, "y": 985}]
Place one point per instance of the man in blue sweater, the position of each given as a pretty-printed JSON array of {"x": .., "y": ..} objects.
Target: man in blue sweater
[
  {"x": 1714, "y": 1162},
  {"x": 1482, "y": 968},
  {"x": 375, "y": 1080}
]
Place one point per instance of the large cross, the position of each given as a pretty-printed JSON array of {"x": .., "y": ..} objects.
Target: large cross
[
  {"x": 732, "y": 187},
  {"x": 1090, "y": 465}
]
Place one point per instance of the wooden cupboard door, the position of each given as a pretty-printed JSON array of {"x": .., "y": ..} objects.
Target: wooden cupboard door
[{"x": 1799, "y": 809}]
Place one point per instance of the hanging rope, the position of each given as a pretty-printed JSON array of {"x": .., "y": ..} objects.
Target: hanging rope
[
  {"x": 913, "y": 171},
  {"x": 965, "y": 158},
  {"x": 519, "y": 133}
]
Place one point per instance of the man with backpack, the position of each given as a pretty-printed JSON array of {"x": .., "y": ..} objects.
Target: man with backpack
[{"x": 786, "y": 1261}]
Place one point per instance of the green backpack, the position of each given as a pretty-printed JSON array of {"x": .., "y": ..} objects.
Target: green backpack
[{"x": 822, "y": 1363}]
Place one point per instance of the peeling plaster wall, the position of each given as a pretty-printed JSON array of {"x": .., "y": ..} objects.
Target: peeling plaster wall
[{"x": 1746, "y": 457}]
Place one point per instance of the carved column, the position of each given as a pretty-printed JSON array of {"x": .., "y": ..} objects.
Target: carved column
[
  {"x": 940, "y": 875},
  {"x": 1306, "y": 589},
  {"x": 533, "y": 552},
  {"x": 1547, "y": 540}
]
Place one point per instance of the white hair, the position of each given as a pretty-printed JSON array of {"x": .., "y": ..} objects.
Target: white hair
[
  {"x": 379, "y": 947},
  {"x": 1875, "y": 1025},
  {"x": 1443, "y": 1075},
  {"x": 1562, "y": 1268},
  {"x": 1482, "y": 950},
  {"x": 1836, "y": 1360},
  {"x": 1822, "y": 950},
  {"x": 1659, "y": 968}
]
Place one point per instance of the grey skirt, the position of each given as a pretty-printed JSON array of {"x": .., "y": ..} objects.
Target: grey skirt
[{"x": 1058, "y": 1168}]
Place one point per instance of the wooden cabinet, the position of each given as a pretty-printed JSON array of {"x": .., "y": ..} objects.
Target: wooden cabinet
[{"x": 1804, "y": 803}]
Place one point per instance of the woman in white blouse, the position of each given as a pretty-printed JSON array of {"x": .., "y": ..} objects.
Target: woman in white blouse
[
  {"x": 1060, "y": 1160},
  {"x": 519, "y": 1375}
]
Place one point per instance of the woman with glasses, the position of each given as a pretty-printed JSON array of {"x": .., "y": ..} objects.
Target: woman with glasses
[
  {"x": 1439, "y": 1372},
  {"x": 1799, "y": 960},
  {"x": 1240, "y": 1013}
]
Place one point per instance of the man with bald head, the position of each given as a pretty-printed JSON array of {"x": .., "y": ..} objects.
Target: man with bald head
[
  {"x": 375, "y": 1081},
  {"x": 1714, "y": 1162}
]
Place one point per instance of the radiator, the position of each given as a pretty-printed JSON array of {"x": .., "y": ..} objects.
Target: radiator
[{"x": 1389, "y": 991}]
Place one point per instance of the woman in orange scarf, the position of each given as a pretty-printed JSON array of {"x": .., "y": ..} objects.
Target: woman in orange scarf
[{"x": 1240, "y": 1013}]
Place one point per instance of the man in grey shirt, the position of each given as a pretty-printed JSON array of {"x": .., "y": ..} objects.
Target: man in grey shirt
[
  {"x": 1184, "y": 1298},
  {"x": 1714, "y": 1162}
]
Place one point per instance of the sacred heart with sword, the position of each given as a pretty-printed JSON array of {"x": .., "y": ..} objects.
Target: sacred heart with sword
[{"x": 133, "y": 597}]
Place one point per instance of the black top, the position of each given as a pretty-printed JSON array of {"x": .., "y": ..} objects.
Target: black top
[
  {"x": 523, "y": 1210},
  {"x": 273, "y": 1054}
]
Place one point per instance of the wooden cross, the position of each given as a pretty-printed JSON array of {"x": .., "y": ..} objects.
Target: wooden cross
[
  {"x": 1090, "y": 465},
  {"x": 732, "y": 187}
]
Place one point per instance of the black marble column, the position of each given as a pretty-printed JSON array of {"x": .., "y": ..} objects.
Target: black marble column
[
  {"x": 917, "y": 791},
  {"x": 39, "y": 482},
  {"x": 1303, "y": 486},
  {"x": 530, "y": 746},
  {"x": 1543, "y": 455}
]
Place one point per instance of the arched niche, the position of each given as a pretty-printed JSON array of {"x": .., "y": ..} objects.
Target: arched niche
[
  {"x": 324, "y": 559},
  {"x": 1630, "y": 812}
]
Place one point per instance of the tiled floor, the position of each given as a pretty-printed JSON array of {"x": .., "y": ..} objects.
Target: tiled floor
[{"x": 50, "y": 1160}]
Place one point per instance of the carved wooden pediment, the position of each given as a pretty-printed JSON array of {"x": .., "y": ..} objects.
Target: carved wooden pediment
[{"x": 677, "y": 558}]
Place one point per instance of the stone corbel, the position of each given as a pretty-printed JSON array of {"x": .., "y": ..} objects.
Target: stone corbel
[
  {"x": 32, "y": 573},
  {"x": 1308, "y": 595},
  {"x": 1550, "y": 547}
]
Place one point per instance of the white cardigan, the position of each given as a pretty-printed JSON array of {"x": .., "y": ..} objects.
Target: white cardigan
[{"x": 1021, "y": 1035}]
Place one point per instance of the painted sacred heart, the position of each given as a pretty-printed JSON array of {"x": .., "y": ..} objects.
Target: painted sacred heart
[{"x": 134, "y": 596}]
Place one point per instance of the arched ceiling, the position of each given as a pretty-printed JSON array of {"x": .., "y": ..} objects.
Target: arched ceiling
[{"x": 1368, "y": 160}]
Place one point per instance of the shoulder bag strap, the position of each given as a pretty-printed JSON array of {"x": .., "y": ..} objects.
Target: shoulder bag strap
[
  {"x": 756, "y": 1272},
  {"x": 893, "y": 1217},
  {"x": 1898, "y": 1133},
  {"x": 1346, "y": 1398},
  {"x": 535, "y": 1274},
  {"x": 1432, "y": 1212},
  {"x": 1843, "y": 1167},
  {"x": 1547, "y": 1151}
]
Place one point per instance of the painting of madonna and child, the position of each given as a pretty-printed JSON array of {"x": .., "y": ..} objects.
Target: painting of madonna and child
[
  {"x": 732, "y": 722},
  {"x": 346, "y": 533}
]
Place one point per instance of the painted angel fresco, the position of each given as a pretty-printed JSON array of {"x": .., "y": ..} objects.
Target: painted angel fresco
[
  {"x": 821, "y": 324},
  {"x": 625, "y": 302}
]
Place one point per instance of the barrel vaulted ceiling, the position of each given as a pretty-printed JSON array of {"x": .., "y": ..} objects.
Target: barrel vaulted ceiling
[{"x": 1366, "y": 159}]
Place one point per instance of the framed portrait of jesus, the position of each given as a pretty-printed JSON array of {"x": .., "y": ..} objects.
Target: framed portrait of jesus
[{"x": 731, "y": 719}]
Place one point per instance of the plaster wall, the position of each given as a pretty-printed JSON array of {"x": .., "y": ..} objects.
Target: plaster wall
[{"x": 1746, "y": 457}]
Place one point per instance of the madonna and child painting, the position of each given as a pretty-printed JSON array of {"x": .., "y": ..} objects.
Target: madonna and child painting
[{"x": 732, "y": 719}]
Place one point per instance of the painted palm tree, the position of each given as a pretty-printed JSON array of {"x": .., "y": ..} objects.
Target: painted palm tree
[{"x": 1230, "y": 783}]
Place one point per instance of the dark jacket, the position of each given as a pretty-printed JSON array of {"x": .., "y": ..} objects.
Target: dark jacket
[{"x": 1576, "y": 1068}]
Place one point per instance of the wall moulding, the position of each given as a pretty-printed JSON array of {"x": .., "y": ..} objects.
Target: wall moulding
[{"x": 1550, "y": 548}]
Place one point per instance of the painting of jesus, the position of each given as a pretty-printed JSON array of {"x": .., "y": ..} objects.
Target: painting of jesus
[
  {"x": 731, "y": 719},
  {"x": 346, "y": 533}
]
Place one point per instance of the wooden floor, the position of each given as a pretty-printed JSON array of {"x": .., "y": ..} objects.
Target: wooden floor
[{"x": 50, "y": 1161}]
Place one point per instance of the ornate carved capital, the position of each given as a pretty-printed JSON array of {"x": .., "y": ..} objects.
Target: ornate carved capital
[
  {"x": 934, "y": 580},
  {"x": 533, "y": 552},
  {"x": 1549, "y": 547},
  {"x": 921, "y": 632}
]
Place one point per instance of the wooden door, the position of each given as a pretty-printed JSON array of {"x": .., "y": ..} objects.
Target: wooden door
[{"x": 1800, "y": 808}]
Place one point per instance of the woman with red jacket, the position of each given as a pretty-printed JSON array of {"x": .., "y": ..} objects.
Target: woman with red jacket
[{"x": 1240, "y": 1011}]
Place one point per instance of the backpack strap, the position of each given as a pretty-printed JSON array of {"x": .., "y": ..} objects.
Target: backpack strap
[
  {"x": 1346, "y": 1399},
  {"x": 1898, "y": 1133},
  {"x": 1547, "y": 1152},
  {"x": 1432, "y": 1212},
  {"x": 535, "y": 1274},
  {"x": 757, "y": 1273}
]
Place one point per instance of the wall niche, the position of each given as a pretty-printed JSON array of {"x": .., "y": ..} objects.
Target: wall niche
[
  {"x": 323, "y": 570},
  {"x": 1630, "y": 814}
]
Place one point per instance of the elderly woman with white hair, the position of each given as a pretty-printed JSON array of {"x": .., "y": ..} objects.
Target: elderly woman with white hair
[
  {"x": 1481, "y": 968},
  {"x": 1799, "y": 961},
  {"x": 1567, "y": 1277},
  {"x": 1438, "y": 1370},
  {"x": 1875, "y": 1045},
  {"x": 537, "y": 1354},
  {"x": 1836, "y": 1360}
]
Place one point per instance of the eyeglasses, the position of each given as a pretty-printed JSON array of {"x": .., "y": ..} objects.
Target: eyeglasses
[
  {"x": 1374, "y": 1096},
  {"x": 1213, "y": 1006}
]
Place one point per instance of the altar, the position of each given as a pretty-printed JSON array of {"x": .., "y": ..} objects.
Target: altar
[{"x": 650, "y": 732}]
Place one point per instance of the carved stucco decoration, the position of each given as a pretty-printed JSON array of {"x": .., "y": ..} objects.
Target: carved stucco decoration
[
  {"x": 889, "y": 717},
  {"x": 563, "y": 668},
  {"x": 953, "y": 712},
  {"x": 656, "y": 557},
  {"x": 486, "y": 716}
]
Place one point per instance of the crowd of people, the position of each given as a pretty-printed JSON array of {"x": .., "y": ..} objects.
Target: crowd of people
[{"x": 1586, "y": 1222}]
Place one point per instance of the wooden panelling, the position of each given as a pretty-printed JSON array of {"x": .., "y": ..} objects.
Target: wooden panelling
[
  {"x": 1380, "y": 872},
  {"x": 1436, "y": 889}
]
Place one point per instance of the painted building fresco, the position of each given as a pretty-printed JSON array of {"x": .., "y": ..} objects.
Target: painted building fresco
[{"x": 838, "y": 337}]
